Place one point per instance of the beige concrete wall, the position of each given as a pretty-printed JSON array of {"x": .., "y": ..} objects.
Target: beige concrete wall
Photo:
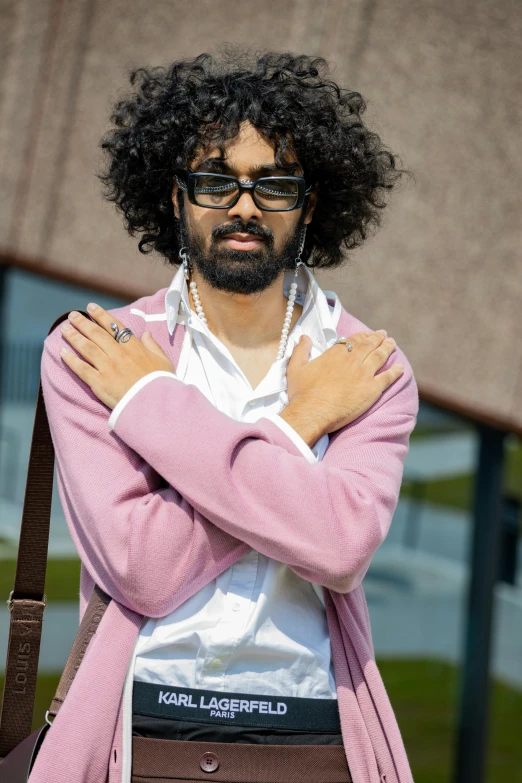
[{"x": 443, "y": 275}]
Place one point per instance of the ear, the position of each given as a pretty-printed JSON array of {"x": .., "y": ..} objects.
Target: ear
[
  {"x": 174, "y": 197},
  {"x": 312, "y": 201}
]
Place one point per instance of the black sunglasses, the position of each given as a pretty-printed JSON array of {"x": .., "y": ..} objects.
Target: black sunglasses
[{"x": 221, "y": 191}]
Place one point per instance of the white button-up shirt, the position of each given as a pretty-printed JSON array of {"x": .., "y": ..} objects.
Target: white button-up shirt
[{"x": 258, "y": 627}]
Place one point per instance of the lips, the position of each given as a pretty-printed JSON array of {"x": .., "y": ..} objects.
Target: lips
[{"x": 242, "y": 241}]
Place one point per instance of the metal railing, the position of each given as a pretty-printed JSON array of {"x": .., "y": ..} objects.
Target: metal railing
[{"x": 20, "y": 371}]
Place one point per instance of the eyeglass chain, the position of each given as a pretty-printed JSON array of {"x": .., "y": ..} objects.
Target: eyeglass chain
[{"x": 187, "y": 269}]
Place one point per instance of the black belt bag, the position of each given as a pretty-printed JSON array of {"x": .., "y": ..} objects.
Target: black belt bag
[{"x": 235, "y": 709}]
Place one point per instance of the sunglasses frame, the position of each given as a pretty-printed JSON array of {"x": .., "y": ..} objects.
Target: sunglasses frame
[{"x": 191, "y": 177}]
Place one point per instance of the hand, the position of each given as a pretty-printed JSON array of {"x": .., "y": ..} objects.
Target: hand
[
  {"x": 338, "y": 386},
  {"x": 112, "y": 367}
]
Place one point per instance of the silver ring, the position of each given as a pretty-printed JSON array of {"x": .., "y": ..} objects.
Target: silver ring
[
  {"x": 349, "y": 346},
  {"x": 122, "y": 336}
]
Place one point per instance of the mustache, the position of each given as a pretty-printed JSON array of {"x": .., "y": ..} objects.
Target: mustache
[{"x": 240, "y": 228}]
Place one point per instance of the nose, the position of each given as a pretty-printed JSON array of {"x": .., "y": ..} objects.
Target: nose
[{"x": 245, "y": 209}]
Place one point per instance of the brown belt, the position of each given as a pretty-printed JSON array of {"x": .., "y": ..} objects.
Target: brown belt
[{"x": 163, "y": 760}]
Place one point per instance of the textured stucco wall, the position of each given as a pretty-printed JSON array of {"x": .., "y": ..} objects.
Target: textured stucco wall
[{"x": 443, "y": 275}]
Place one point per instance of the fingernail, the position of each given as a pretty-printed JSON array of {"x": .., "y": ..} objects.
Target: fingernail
[
  {"x": 382, "y": 331},
  {"x": 91, "y": 307},
  {"x": 63, "y": 351},
  {"x": 66, "y": 325},
  {"x": 73, "y": 314}
]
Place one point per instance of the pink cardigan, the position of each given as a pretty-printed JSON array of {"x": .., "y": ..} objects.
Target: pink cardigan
[{"x": 179, "y": 491}]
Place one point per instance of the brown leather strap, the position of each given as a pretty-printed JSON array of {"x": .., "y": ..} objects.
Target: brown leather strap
[
  {"x": 20, "y": 674},
  {"x": 90, "y": 621},
  {"x": 34, "y": 532},
  {"x": 27, "y": 600},
  {"x": 192, "y": 761}
]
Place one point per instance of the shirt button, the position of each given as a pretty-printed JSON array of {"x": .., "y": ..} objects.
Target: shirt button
[
  {"x": 209, "y": 762},
  {"x": 236, "y": 606},
  {"x": 216, "y": 662},
  {"x": 251, "y": 402}
]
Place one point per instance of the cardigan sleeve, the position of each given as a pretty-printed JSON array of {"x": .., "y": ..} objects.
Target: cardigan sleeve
[
  {"x": 303, "y": 447},
  {"x": 325, "y": 520},
  {"x": 139, "y": 539}
]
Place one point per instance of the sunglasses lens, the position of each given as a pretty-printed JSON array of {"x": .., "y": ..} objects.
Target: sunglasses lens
[
  {"x": 215, "y": 191},
  {"x": 275, "y": 193}
]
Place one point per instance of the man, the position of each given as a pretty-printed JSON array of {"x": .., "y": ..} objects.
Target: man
[{"x": 231, "y": 501}]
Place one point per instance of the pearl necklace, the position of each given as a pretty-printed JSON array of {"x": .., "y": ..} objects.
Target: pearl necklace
[{"x": 288, "y": 316}]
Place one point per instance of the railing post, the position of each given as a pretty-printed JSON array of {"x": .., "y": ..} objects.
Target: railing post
[
  {"x": 473, "y": 725},
  {"x": 3, "y": 275}
]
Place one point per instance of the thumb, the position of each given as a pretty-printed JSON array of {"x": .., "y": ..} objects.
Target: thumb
[
  {"x": 150, "y": 343},
  {"x": 301, "y": 351}
]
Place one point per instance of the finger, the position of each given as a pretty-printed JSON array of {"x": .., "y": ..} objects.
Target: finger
[
  {"x": 353, "y": 339},
  {"x": 85, "y": 347},
  {"x": 368, "y": 332},
  {"x": 301, "y": 351},
  {"x": 369, "y": 343},
  {"x": 387, "y": 377},
  {"x": 92, "y": 330},
  {"x": 99, "y": 330},
  {"x": 381, "y": 354},
  {"x": 150, "y": 343},
  {"x": 83, "y": 370}
]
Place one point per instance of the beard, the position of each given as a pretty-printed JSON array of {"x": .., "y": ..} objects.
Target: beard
[{"x": 241, "y": 271}]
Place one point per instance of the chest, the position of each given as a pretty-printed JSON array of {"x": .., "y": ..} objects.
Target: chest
[
  {"x": 241, "y": 382},
  {"x": 256, "y": 362}
]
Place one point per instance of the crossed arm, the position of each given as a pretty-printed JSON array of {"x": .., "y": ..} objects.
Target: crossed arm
[{"x": 178, "y": 488}]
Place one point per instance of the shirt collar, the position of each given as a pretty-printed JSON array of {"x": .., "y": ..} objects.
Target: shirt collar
[{"x": 317, "y": 319}]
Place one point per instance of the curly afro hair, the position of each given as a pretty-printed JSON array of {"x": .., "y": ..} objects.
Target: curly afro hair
[{"x": 176, "y": 111}]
